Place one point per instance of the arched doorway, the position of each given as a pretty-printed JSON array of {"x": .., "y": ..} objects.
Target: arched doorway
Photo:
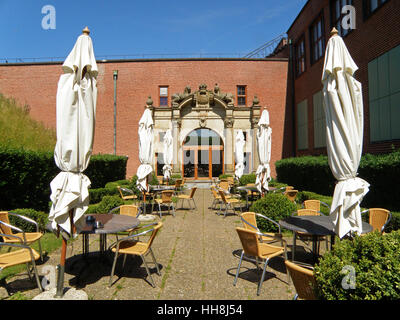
[{"x": 203, "y": 154}]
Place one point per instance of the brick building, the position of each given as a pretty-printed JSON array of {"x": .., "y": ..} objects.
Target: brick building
[
  {"x": 375, "y": 47},
  {"x": 35, "y": 84},
  {"x": 287, "y": 83}
]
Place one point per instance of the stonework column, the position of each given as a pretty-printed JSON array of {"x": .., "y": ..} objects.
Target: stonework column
[{"x": 229, "y": 147}]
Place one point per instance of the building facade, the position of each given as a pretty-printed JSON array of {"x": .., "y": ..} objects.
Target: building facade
[
  {"x": 192, "y": 97},
  {"x": 373, "y": 40}
]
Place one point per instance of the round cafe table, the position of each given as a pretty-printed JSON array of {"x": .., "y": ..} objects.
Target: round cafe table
[{"x": 315, "y": 226}]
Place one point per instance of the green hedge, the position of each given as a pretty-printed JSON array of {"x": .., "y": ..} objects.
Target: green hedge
[
  {"x": 25, "y": 176},
  {"x": 375, "y": 264},
  {"x": 382, "y": 172},
  {"x": 38, "y": 216},
  {"x": 275, "y": 206}
]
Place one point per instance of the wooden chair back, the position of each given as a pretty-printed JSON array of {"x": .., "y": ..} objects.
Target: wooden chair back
[
  {"x": 128, "y": 210},
  {"x": 166, "y": 196},
  {"x": 307, "y": 212},
  {"x": 378, "y": 218},
  {"x": 249, "y": 217},
  {"x": 312, "y": 204},
  {"x": 249, "y": 240},
  {"x": 4, "y": 218},
  {"x": 303, "y": 280}
]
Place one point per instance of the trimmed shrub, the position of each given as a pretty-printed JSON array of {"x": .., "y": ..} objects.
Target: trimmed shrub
[
  {"x": 374, "y": 258},
  {"x": 274, "y": 206},
  {"x": 247, "y": 178},
  {"x": 108, "y": 203},
  {"x": 25, "y": 176},
  {"x": 38, "y": 216}
]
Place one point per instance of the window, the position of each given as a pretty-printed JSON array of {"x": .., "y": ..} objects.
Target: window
[
  {"x": 300, "y": 57},
  {"x": 163, "y": 96},
  {"x": 302, "y": 126},
  {"x": 384, "y": 96},
  {"x": 317, "y": 39},
  {"x": 247, "y": 162},
  {"x": 370, "y": 6},
  {"x": 337, "y": 16},
  {"x": 241, "y": 95},
  {"x": 160, "y": 163},
  {"x": 319, "y": 121}
]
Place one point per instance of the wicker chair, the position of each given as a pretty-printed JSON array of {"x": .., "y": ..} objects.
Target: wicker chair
[
  {"x": 21, "y": 236},
  {"x": 23, "y": 255},
  {"x": 303, "y": 236},
  {"x": 291, "y": 194},
  {"x": 128, "y": 210},
  {"x": 189, "y": 198},
  {"x": 303, "y": 280},
  {"x": 314, "y": 204},
  {"x": 250, "y": 223},
  {"x": 378, "y": 218},
  {"x": 257, "y": 250},
  {"x": 124, "y": 197},
  {"x": 166, "y": 199},
  {"x": 131, "y": 245},
  {"x": 228, "y": 202}
]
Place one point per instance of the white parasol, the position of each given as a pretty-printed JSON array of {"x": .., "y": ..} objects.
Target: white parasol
[
  {"x": 239, "y": 154},
  {"x": 76, "y": 109},
  {"x": 168, "y": 155},
  {"x": 264, "y": 135},
  {"x": 76, "y": 112},
  {"x": 344, "y": 127},
  {"x": 145, "y": 150}
]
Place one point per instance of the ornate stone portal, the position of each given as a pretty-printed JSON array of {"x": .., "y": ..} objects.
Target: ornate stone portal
[{"x": 205, "y": 109}]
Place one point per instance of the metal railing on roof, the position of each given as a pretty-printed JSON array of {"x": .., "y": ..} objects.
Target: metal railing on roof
[{"x": 267, "y": 48}]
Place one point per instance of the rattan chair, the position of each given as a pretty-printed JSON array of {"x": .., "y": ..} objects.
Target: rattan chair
[
  {"x": 229, "y": 203},
  {"x": 217, "y": 198},
  {"x": 124, "y": 197},
  {"x": 303, "y": 280},
  {"x": 189, "y": 198},
  {"x": 224, "y": 185},
  {"x": 257, "y": 251},
  {"x": 23, "y": 255},
  {"x": 250, "y": 223},
  {"x": 305, "y": 237},
  {"x": 291, "y": 194},
  {"x": 378, "y": 218},
  {"x": 132, "y": 246},
  {"x": 26, "y": 237},
  {"x": 166, "y": 199},
  {"x": 315, "y": 205},
  {"x": 128, "y": 210}
]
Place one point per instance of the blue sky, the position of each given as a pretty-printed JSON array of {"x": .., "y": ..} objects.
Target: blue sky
[{"x": 152, "y": 27}]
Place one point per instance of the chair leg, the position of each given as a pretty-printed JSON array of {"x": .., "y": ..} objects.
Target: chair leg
[
  {"x": 148, "y": 271},
  {"x": 37, "y": 277},
  {"x": 262, "y": 277},
  {"x": 155, "y": 262},
  {"x": 238, "y": 268},
  {"x": 113, "y": 269},
  {"x": 194, "y": 203},
  {"x": 159, "y": 210}
]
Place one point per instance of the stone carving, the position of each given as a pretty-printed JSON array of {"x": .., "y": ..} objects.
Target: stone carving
[
  {"x": 256, "y": 101},
  {"x": 226, "y": 97},
  {"x": 177, "y": 98},
  {"x": 203, "y": 98},
  {"x": 149, "y": 101},
  {"x": 203, "y": 119},
  {"x": 229, "y": 123}
]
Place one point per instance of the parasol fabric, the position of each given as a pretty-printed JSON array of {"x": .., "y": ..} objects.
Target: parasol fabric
[
  {"x": 264, "y": 136},
  {"x": 239, "y": 154},
  {"x": 343, "y": 106},
  {"x": 168, "y": 154},
  {"x": 145, "y": 150},
  {"x": 76, "y": 109}
]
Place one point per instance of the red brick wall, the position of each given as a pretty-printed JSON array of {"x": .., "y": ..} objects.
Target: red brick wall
[
  {"x": 371, "y": 38},
  {"x": 36, "y": 85}
]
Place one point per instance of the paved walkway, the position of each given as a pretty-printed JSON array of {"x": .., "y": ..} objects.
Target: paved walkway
[{"x": 198, "y": 253}]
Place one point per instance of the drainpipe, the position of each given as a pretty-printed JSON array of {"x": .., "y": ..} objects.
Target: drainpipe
[
  {"x": 115, "y": 76},
  {"x": 292, "y": 75}
]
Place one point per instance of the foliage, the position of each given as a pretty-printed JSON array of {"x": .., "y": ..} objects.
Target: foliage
[
  {"x": 19, "y": 130},
  {"x": 25, "y": 176},
  {"x": 38, "y": 216},
  {"x": 106, "y": 204},
  {"x": 274, "y": 206},
  {"x": 314, "y": 174},
  {"x": 247, "y": 178},
  {"x": 376, "y": 262}
]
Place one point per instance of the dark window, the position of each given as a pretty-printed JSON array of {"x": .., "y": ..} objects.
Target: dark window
[
  {"x": 160, "y": 163},
  {"x": 337, "y": 16},
  {"x": 241, "y": 95},
  {"x": 370, "y": 6},
  {"x": 317, "y": 39},
  {"x": 300, "y": 57},
  {"x": 163, "y": 96}
]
